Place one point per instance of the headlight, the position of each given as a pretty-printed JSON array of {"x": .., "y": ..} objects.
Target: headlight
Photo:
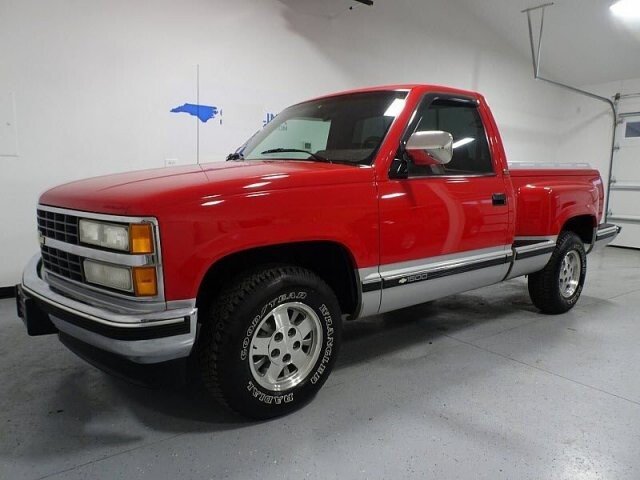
[
  {"x": 110, "y": 276},
  {"x": 135, "y": 238},
  {"x": 106, "y": 235}
]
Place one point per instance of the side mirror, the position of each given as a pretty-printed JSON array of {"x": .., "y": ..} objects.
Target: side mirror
[{"x": 430, "y": 148}]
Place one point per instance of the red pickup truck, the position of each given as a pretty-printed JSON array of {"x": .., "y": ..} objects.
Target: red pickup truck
[{"x": 344, "y": 206}]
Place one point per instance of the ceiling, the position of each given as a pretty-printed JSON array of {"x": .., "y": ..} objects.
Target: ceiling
[
  {"x": 583, "y": 43},
  {"x": 323, "y": 8}
]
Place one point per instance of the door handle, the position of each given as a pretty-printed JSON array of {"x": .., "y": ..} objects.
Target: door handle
[{"x": 499, "y": 199}]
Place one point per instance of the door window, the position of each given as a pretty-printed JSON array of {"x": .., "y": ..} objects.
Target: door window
[{"x": 471, "y": 155}]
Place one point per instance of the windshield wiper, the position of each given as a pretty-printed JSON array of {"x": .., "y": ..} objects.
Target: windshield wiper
[
  {"x": 235, "y": 156},
  {"x": 295, "y": 150}
]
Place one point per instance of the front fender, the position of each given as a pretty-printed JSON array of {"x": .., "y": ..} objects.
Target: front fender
[{"x": 196, "y": 236}]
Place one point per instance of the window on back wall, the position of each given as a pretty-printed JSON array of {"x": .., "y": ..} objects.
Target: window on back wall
[
  {"x": 632, "y": 130},
  {"x": 471, "y": 154}
]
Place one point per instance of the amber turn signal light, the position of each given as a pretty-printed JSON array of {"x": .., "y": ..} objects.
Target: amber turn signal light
[
  {"x": 144, "y": 281},
  {"x": 141, "y": 238}
]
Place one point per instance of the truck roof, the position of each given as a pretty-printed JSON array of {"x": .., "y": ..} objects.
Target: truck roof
[{"x": 406, "y": 86}]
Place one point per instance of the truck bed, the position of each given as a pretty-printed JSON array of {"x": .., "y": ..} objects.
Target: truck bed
[{"x": 547, "y": 195}]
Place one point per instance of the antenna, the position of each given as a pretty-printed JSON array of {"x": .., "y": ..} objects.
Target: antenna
[{"x": 198, "y": 114}]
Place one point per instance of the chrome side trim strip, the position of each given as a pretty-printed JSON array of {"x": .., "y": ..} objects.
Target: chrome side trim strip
[
  {"x": 444, "y": 271},
  {"x": 114, "y": 258},
  {"x": 531, "y": 254},
  {"x": 527, "y": 265},
  {"x": 374, "y": 282},
  {"x": 370, "y": 291},
  {"x": 419, "y": 292},
  {"x": 533, "y": 249},
  {"x": 369, "y": 275},
  {"x": 443, "y": 262},
  {"x": 524, "y": 238},
  {"x": 371, "y": 286}
]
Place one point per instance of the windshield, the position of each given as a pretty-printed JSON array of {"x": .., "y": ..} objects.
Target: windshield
[{"x": 347, "y": 128}]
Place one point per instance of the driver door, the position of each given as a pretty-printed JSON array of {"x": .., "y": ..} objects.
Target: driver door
[{"x": 444, "y": 229}]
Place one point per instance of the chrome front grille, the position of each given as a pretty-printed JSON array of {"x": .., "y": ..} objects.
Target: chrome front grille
[
  {"x": 63, "y": 256},
  {"x": 59, "y": 226},
  {"x": 62, "y": 263}
]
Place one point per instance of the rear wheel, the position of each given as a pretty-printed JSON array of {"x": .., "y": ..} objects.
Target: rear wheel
[
  {"x": 556, "y": 288},
  {"x": 270, "y": 341}
]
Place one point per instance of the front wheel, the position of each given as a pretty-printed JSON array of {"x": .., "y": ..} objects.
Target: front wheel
[
  {"x": 556, "y": 288},
  {"x": 270, "y": 341}
]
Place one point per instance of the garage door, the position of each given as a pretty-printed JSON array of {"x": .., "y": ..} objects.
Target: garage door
[{"x": 624, "y": 201}]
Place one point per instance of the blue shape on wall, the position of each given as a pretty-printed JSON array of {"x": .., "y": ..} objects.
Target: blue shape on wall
[
  {"x": 270, "y": 116},
  {"x": 203, "y": 112}
]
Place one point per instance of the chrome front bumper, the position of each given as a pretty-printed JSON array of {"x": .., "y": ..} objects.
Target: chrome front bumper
[{"x": 151, "y": 337}]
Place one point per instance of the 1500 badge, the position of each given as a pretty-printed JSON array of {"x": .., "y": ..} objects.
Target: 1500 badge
[{"x": 418, "y": 277}]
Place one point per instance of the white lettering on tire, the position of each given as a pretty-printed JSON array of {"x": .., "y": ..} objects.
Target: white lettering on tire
[
  {"x": 269, "y": 399},
  {"x": 326, "y": 357}
]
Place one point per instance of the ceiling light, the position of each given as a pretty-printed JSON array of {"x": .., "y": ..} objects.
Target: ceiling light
[
  {"x": 462, "y": 142},
  {"x": 395, "y": 108},
  {"x": 629, "y": 9}
]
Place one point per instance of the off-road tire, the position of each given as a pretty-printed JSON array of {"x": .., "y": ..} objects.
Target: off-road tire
[
  {"x": 545, "y": 285},
  {"x": 223, "y": 355}
]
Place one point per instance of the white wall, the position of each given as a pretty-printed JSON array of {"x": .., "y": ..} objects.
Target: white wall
[
  {"x": 588, "y": 124},
  {"x": 94, "y": 81}
]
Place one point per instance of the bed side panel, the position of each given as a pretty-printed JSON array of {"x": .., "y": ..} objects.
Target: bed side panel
[{"x": 547, "y": 200}]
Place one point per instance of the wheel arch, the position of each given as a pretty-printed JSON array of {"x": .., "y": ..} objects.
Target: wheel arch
[
  {"x": 582, "y": 225},
  {"x": 331, "y": 261}
]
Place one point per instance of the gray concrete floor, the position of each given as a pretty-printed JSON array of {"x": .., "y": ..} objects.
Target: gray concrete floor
[{"x": 478, "y": 385}]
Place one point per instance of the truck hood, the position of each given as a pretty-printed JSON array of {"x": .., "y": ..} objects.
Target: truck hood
[{"x": 144, "y": 192}]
